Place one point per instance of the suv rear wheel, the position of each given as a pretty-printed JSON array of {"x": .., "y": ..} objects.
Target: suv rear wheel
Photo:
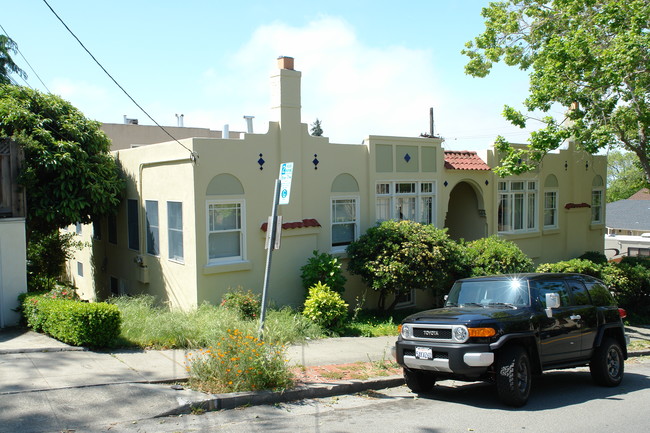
[
  {"x": 607, "y": 363},
  {"x": 513, "y": 375},
  {"x": 419, "y": 381}
]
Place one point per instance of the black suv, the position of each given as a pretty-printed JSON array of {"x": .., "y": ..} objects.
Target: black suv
[{"x": 505, "y": 328}]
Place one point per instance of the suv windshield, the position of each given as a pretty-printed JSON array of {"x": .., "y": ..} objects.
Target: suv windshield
[{"x": 507, "y": 293}]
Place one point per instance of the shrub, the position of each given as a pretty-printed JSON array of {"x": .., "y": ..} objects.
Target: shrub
[
  {"x": 73, "y": 322},
  {"x": 631, "y": 285},
  {"x": 46, "y": 256},
  {"x": 247, "y": 304},
  {"x": 493, "y": 256},
  {"x": 578, "y": 266},
  {"x": 325, "y": 307},
  {"x": 594, "y": 256},
  {"x": 323, "y": 268},
  {"x": 394, "y": 257},
  {"x": 239, "y": 362}
]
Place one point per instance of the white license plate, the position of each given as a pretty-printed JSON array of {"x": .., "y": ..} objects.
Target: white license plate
[{"x": 423, "y": 353}]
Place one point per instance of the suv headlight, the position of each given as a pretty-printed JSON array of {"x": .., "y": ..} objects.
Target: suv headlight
[
  {"x": 459, "y": 334},
  {"x": 407, "y": 331}
]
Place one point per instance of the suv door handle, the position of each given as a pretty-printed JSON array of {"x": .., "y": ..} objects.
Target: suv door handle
[{"x": 576, "y": 317}]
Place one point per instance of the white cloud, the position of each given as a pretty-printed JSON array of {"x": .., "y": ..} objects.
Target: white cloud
[{"x": 356, "y": 90}]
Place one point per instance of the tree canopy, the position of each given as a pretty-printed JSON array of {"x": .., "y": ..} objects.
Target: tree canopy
[
  {"x": 624, "y": 176},
  {"x": 68, "y": 173},
  {"x": 394, "y": 257},
  {"x": 316, "y": 129},
  {"x": 592, "y": 55},
  {"x": 7, "y": 65}
]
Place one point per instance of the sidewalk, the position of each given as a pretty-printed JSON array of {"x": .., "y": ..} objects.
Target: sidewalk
[{"x": 46, "y": 385}]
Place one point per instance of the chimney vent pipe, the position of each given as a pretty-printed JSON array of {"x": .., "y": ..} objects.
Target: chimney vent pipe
[{"x": 249, "y": 124}]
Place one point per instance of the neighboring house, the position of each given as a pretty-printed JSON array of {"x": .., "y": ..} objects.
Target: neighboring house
[
  {"x": 188, "y": 231},
  {"x": 13, "y": 269},
  {"x": 628, "y": 226}
]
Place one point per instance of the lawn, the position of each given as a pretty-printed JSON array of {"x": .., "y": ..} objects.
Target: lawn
[{"x": 149, "y": 326}]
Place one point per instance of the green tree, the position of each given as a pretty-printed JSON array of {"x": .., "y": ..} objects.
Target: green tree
[
  {"x": 7, "y": 65},
  {"x": 68, "y": 173},
  {"x": 493, "y": 256},
  {"x": 624, "y": 175},
  {"x": 316, "y": 129},
  {"x": 394, "y": 257},
  {"x": 591, "y": 55}
]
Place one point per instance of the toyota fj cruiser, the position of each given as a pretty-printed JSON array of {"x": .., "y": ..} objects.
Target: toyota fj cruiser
[{"x": 505, "y": 328}]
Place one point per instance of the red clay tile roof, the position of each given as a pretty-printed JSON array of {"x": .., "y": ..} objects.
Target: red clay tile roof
[
  {"x": 309, "y": 222},
  {"x": 464, "y": 160},
  {"x": 642, "y": 194}
]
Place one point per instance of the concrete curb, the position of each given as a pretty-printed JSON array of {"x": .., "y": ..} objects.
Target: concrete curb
[
  {"x": 43, "y": 349},
  {"x": 315, "y": 390},
  {"x": 255, "y": 398}
]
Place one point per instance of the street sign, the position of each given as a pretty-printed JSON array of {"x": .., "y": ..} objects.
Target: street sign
[{"x": 286, "y": 173}]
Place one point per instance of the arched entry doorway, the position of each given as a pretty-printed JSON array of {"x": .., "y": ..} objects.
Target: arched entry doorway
[{"x": 466, "y": 213}]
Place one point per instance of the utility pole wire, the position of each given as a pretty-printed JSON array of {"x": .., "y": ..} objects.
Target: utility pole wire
[{"x": 193, "y": 155}]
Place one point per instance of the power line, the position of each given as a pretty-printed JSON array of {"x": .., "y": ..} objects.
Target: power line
[
  {"x": 193, "y": 155},
  {"x": 28, "y": 64}
]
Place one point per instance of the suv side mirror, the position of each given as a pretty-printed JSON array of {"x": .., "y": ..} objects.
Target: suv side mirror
[{"x": 552, "y": 301}]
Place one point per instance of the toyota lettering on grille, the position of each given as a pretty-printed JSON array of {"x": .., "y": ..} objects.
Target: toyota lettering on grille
[{"x": 430, "y": 333}]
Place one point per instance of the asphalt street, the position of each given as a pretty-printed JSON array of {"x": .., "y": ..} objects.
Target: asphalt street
[{"x": 561, "y": 401}]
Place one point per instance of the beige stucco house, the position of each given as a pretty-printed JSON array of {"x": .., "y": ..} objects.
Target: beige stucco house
[{"x": 191, "y": 229}]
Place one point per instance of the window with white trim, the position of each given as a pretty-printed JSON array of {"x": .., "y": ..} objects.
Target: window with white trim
[
  {"x": 175, "y": 230},
  {"x": 345, "y": 221},
  {"x": 551, "y": 191},
  {"x": 597, "y": 193},
  {"x": 414, "y": 201},
  {"x": 153, "y": 227},
  {"x": 517, "y": 206},
  {"x": 550, "y": 209},
  {"x": 225, "y": 231}
]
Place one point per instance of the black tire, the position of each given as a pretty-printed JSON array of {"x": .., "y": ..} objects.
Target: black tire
[
  {"x": 419, "y": 381},
  {"x": 607, "y": 363},
  {"x": 513, "y": 375}
]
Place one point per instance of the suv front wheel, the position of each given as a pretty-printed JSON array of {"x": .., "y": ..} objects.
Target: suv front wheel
[
  {"x": 607, "y": 363},
  {"x": 513, "y": 375},
  {"x": 419, "y": 381}
]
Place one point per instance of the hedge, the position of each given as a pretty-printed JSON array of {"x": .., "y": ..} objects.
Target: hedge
[{"x": 73, "y": 322}]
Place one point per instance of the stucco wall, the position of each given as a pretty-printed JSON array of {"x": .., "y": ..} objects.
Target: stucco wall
[{"x": 13, "y": 272}]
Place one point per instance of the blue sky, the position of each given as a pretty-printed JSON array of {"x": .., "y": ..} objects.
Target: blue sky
[{"x": 368, "y": 67}]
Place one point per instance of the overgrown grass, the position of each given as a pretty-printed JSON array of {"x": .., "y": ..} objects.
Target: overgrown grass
[
  {"x": 146, "y": 325},
  {"x": 149, "y": 326},
  {"x": 373, "y": 324}
]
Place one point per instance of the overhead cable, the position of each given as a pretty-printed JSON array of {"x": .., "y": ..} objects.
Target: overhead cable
[{"x": 193, "y": 155}]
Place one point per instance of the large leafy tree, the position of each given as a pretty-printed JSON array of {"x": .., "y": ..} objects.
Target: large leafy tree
[
  {"x": 592, "y": 55},
  {"x": 68, "y": 174},
  {"x": 7, "y": 65},
  {"x": 394, "y": 257},
  {"x": 624, "y": 176}
]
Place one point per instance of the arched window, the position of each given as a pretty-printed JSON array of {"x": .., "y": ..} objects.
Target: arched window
[
  {"x": 344, "y": 205},
  {"x": 226, "y": 216},
  {"x": 551, "y": 190},
  {"x": 597, "y": 195}
]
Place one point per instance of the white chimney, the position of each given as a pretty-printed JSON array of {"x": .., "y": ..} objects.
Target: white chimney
[
  {"x": 179, "y": 120},
  {"x": 226, "y": 131},
  {"x": 249, "y": 124}
]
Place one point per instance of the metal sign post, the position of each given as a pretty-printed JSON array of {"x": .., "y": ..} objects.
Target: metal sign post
[{"x": 281, "y": 195}]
